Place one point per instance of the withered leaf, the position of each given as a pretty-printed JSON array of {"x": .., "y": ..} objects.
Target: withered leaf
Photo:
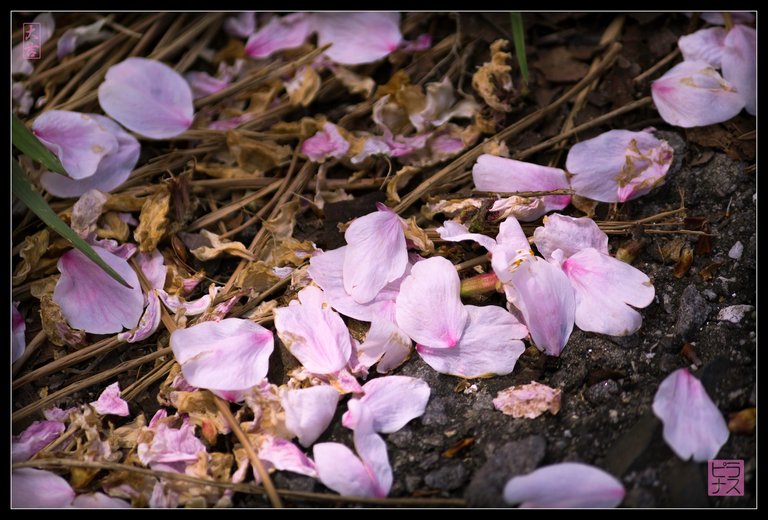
[
  {"x": 153, "y": 221},
  {"x": 256, "y": 156},
  {"x": 684, "y": 263},
  {"x": 206, "y": 246},
  {"x": 493, "y": 81},
  {"x": 55, "y": 326},
  {"x": 112, "y": 226},
  {"x": 32, "y": 250},
  {"x": 558, "y": 65},
  {"x": 303, "y": 88}
]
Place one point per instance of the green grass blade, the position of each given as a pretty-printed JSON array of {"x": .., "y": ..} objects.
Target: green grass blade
[
  {"x": 26, "y": 141},
  {"x": 518, "y": 35},
  {"x": 23, "y": 190}
]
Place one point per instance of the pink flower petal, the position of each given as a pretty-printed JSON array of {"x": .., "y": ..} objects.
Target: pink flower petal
[
  {"x": 618, "y": 165},
  {"x": 498, "y": 174},
  {"x": 99, "y": 501},
  {"x": 327, "y": 142},
  {"x": 203, "y": 84},
  {"x": 605, "y": 288},
  {"x": 340, "y": 470},
  {"x": 18, "y": 341},
  {"x": 565, "y": 485},
  {"x": 35, "y": 488},
  {"x": 282, "y": 32},
  {"x": 693, "y": 94},
  {"x": 242, "y": 24},
  {"x": 740, "y": 64},
  {"x": 110, "y": 403},
  {"x": 570, "y": 235},
  {"x": 170, "y": 449},
  {"x": 314, "y": 333},
  {"x": 93, "y": 301},
  {"x": 511, "y": 248},
  {"x": 191, "y": 308},
  {"x": 383, "y": 399},
  {"x": 37, "y": 436},
  {"x": 153, "y": 266},
  {"x": 489, "y": 345},
  {"x": 80, "y": 141},
  {"x": 148, "y": 97},
  {"x": 716, "y": 17},
  {"x": 371, "y": 448},
  {"x": 543, "y": 295},
  {"x": 693, "y": 425},
  {"x": 385, "y": 343},
  {"x": 228, "y": 355},
  {"x": 358, "y": 38},
  {"x": 284, "y": 455},
  {"x": 77, "y": 36},
  {"x": 455, "y": 232},
  {"x": 376, "y": 254},
  {"x": 429, "y": 308},
  {"x": 704, "y": 45},
  {"x": 113, "y": 169},
  {"x": 309, "y": 411}
]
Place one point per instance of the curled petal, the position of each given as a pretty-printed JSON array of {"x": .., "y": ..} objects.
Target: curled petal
[
  {"x": 693, "y": 94},
  {"x": 704, "y": 45},
  {"x": 18, "y": 342},
  {"x": 618, "y": 165},
  {"x": 203, "y": 84},
  {"x": 740, "y": 64},
  {"x": 693, "y": 425},
  {"x": 170, "y": 448},
  {"x": 309, "y": 411},
  {"x": 383, "y": 399},
  {"x": 314, "y": 333},
  {"x": 99, "y": 501},
  {"x": 371, "y": 448},
  {"x": 148, "y": 323},
  {"x": 385, "y": 343},
  {"x": 565, "y": 485},
  {"x": 77, "y": 36},
  {"x": 376, "y": 254},
  {"x": 190, "y": 308},
  {"x": 110, "y": 402},
  {"x": 489, "y": 345},
  {"x": 327, "y": 142},
  {"x": 455, "y": 232},
  {"x": 38, "y": 488},
  {"x": 286, "y": 32},
  {"x": 429, "y": 308},
  {"x": 93, "y": 301},
  {"x": 570, "y": 235},
  {"x": 228, "y": 355},
  {"x": 37, "y": 436},
  {"x": 242, "y": 24},
  {"x": 148, "y": 97},
  {"x": 358, "y": 38},
  {"x": 605, "y": 288},
  {"x": 284, "y": 455},
  {"x": 340, "y": 470}
]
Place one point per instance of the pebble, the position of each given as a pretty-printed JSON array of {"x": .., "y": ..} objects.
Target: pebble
[
  {"x": 448, "y": 477},
  {"x": 602, "y": 391},
  {"x": 692, "y": 312},
  {"x": 734, "y": 313},
  {"x": 736, "y": 251}
]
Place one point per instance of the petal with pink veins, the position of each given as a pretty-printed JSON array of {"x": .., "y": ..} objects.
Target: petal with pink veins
[
  {"x": 358, "y": 38},
  {"x": 280, "y": 33},
  {"x": 570, "y": 235},
  {"x": 383, "y": 398},
  {"x": 37, "y": 436},
  {"x": 429, "y": 307},
  {"x": 692, "y": 93},
  {"x": 79, "y": 140},
  {"x": 605, "y": 288},
  {"x": 36, "y": 488},
  {"x": 693, "y": 425},
  {"x": 309, "y": 411},
  {"x": 18, "y": 326},
  {"x": 544, "y": 296},
  {"x": 618, "y": 165},
  {"x": 489, "y": 345},
  {"x": 99, "y": 501},
  {"x": 704, "y": 45},
  {"x": 565, "y": 485},
  {"x": 376, "y": 253},
  {"x": 327, "y": 142},
  {"x": 110, "y": 402},
  {"x": 314, "y": 333},
  {"x": 148, "y": 97},
  {"x": 228, "y": 355},
  {"x": 93, "y": 301},
  {"x": 740, "y": 64},
  {"x": 455, "y": 232}
]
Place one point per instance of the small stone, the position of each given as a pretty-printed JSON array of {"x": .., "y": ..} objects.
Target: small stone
[
  {"x": 736, "y": 251},
  {"x": 692, "y": 313},
  {"x": 709, "y": 294},
  {"x": 602, "y": 391},
  {"x": 734, "y": 313},
  {"x": 448, "y": 477}
]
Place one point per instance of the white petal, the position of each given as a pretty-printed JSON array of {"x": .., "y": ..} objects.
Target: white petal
[
  {"x": 455, "y": 232},
  {"x": 704, "y": 45},
  {"x": 570, "y": 235},
  {"x": 740, "y": 64},
  {"x": 383, "y": 398},
  {"x": 358, "y": 37},
  {"x": 309, "y": 411}
]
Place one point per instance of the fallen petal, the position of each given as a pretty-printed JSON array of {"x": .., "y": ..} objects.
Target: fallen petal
[
  {"x": 280, "y": 33},
  {"x": 693, "y": 425},
  {"x": 340, "y": 470},
  {"x": 38, "y": 488},
  {"x": 372, "y": 449},
  {"x": 570, "y": 235},
  {"x": 242, "y": 24},
  {"x": 284, "y": 455},
  {"x": 385, "y": 342},
  {"x": 358, "y": 38},
  {"x": 565, "y": 485},
  {"x": 740, "y": 64},
  {"x": 203, "y": 84},
  {"x": 37, "y": 436},
  {"x": 99, "y": 501},
  {"x": 327, "y": 142},
  {"x": 383, "y": 398},
  {"x": 704, "y": 45},
  {"x": 734, "y": 313},
  {"x": 110, "y": 402},
  {"x": 309, "y": 411},
  {"x": 455, "y": 232},
  {"x": 170, "y": 449},
  {"x": 18, "y": 341},
  {"x": 77, "y": 36},
  {"x": 529, "y": 400},
  {"x": 716, "y": 17}
]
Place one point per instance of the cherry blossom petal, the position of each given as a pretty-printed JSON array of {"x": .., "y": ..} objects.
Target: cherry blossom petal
[
  {"x": 618, "y": 165},
  {"x": 228, "y": 355},
  {"x": 371, "y": 448},
  {"x": 177, "y": 304},
  {"x": 284, "y": 455},
  {"x": 80, "y": 141},
  {"x": 716, "y": 17},
  {"x": 170, "y": 448},
  {"x": 357, "y": 38},
  {"x": 429, "y": 308},
  {"x": 570, "y": 235},
  {"x": 309, "y": 411},
  {"x": 77, "y": 36},
  {"x": 340, "y": 470},
  {"x": 740, "y": 64},
  {"x": 203, "y": 84},
  {"x": 565, "y": 485},
  {"x": 489, "y": 345},
  {"x": 148, "y": 97},
  {"x": 148, "y": 323},
  {"x": 113, "y": 169},
  {"x": 543, "y": 295},
  {"x": 18, "y": 341},
  {"x": 242, "y": 24},
  {"x": 314, "y": 333},
  {"x": 605, "y": 288},
  {"x": 455, "y": 232},
  {"x": 376, "y": 253},
  {"x": 110, "y": 402},
  {"x": 99, "y": 501},
  {"x": 36, "y": 488},
  {"x": 704, "y": 45},
  {"x": 693, "y": 94},
  {"x": 693, "y": 425},
  {"x": 511, "y": 248},
  {"x": 498, "y": 174},
  {"x": 282, "y": 32},
  {"x": 92, "y": 300},
  {"x": 153, "y": 266},
  {"x": 385, "y": 343},
  {"x": 383, "y": 399},
  {"x": 37, "y": 436},
  {"x": 327, "y": 142}
]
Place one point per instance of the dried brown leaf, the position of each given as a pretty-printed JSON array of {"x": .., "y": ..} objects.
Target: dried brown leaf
[
  {"x": 55, "y": 326},
  {"x": 256, "y": 156},
  {"x": 418, "y": 236},
  {"x": 558, "y": 65},
  {"x": 354, "y": 83},
  {"x": 493, "y": 80},
  {"x": 153, "y": 220},
  {"x": 303, "y": 88},
  {"x": 257, "y": 276},
  {"x": 206, "y": 245},
  {"x": 399, "y": 181},
  {"x": 112, "y": 226},
  {"x": 684, "y": 263},
  {"x": 32, "y": 250}
]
